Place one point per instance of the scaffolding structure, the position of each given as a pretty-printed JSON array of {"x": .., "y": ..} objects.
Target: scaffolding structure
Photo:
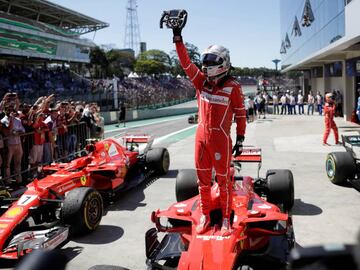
[{"x": 132, "y": 29}]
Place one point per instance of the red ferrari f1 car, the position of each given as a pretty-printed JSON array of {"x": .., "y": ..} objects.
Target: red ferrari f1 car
[
  {"x": 262, "y": 231},
  {"x": 68, "y": 196}
]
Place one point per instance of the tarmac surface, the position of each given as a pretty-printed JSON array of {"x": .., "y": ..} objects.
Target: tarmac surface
[{"x": 323, "y": 212}]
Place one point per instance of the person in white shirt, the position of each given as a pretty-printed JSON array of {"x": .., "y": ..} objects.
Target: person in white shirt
[
  {"x": 311, "y": 102},
  {"x": 300, "y": 102},
  {"x": 283, "y": 104},
  {"x": 292, "y": 104},
  {"x": 275, "y": 103},
  {"x": 319, "y": 102}
]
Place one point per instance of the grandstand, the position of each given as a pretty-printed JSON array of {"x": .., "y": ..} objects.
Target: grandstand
[{"x": 39, "y": 29}]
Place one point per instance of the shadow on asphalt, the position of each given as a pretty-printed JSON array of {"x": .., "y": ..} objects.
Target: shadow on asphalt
[
  {"x": 71, "y": 252},
  {"x": 305, "y": 209},
  {"x": 105, "y": 234},
  {"x": 8, "y": 264}
]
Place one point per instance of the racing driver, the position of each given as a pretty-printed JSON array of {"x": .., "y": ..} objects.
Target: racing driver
[
  {"x": 329, "y": 112},
  {"x": 219, "y": 97}
]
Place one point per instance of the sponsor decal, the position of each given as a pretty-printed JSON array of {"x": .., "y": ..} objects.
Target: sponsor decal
[
  {"x": 113, "y": 150},
  {"x": 226, "y": 90},
  {"x": 214, "y": 99},
  {"x": 83, "y": 180},
  {"x": 66, "y": 186},
  {"x": 54, "y": 242},
  {"x": 212, "y": 237},
  {"x": 13, "y": 212},
  {"x": 217, "y": 156},
  {"x": 26, "y": 199},
  {"x": 3, "y": 225},
  {"x": 180, "y": 205},
  {"x": 264, "y": 206}
]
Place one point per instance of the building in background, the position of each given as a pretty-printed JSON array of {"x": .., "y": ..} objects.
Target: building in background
[
  {"x": 42, "y": 30},
  {"x": 322, "y": 39}
]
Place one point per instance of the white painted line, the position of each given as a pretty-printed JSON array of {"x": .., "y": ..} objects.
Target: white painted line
[
  {"x": 157, "y": 140},
  {"x": 142, "y": 125}
]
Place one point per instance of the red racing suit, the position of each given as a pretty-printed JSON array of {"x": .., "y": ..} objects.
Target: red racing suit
[
  {"x": 329, "y": 112},
  {"x": 217, "y": 105}
]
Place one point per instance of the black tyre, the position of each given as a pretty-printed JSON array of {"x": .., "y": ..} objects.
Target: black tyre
[
  {"x": 280, "y": 185},
  {"x": 82, "y": 210},
  {"x": 340, "y": 166},
  {"x": 186, "y": 185},
  {"x": 158, "y": 159}
]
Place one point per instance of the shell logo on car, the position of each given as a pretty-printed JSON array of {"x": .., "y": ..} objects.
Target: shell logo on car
[{"x": 14, "y": 211}]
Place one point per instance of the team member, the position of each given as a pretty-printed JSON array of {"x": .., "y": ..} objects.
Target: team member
[
  {"x": 219, "y": 96},
  {"x": 358, "y": 106},
  {"x": 329, "y": 112}
]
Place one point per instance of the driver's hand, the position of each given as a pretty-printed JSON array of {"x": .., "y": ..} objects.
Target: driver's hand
[
  {"x": 238, "y": 147},
  {"x": 177, "y": 35}
]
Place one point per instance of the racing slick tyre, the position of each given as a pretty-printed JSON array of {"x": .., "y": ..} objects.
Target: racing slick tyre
[
  {"x": 340, "y": 166},
  {"x": 159, "y": 160},
  {"x": 280, "y": 185},
  {"x": 186, "y": 185},
  {"x": 82, "y": 209}
]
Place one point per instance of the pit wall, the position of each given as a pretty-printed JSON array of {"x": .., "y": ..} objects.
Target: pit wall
[{"x": 131, "y": 115}]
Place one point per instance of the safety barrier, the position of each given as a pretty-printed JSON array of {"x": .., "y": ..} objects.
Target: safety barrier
[{"x": 59, "y": 148}]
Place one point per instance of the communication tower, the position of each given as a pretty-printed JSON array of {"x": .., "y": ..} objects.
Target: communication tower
[{"x": 132, "y": 30}]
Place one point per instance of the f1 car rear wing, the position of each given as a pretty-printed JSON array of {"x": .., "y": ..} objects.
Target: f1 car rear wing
[{"x": 250, "y": 154}]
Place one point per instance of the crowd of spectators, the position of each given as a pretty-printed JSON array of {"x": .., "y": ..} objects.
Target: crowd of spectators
[
  {"x": 29, "y": 80},
  {"x": 40, "y": 133},
  {"x": 289, "y": 102},
  {"x": 148, "y": 91}
]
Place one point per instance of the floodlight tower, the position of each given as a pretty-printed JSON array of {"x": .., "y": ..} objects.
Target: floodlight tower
[{"x": 132, "y": 30}]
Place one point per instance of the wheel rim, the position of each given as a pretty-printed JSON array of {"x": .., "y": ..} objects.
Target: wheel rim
[
  {"x": 166, "y": 161},
  {"x": 330, "y": 168},
  {"x": 93, "y": 212}
]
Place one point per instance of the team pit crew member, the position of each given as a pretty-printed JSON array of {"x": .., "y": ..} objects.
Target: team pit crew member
[
  {"x": 329, "y": 112},
  {"x": 219, "y": 97}
]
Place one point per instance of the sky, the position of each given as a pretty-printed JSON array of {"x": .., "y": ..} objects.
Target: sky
[{"x": 250, "y": 29}]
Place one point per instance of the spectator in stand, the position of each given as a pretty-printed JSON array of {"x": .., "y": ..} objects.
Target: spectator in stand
[
  {"x": 61, "y": 124},
  {"x": 319, "y": 102},
  {"x": 14, "y": 129},
  {"x": 300, "y": 102},
  {"x": 72, "y": 119},
  {"x": 50, "y": 135},
  {"x": 311, "y": 102},
  {"x": 275, "y": 98},
  {"x": 283, "y": 104},
  {"x": 37, "y": 150}
]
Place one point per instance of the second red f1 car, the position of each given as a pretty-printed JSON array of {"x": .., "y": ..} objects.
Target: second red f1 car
[
  {"x": 68, "y": 196},
  {"x": 262, "y": 231}
]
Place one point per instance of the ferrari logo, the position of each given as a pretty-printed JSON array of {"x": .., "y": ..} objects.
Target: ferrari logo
[
  {"x": 106, "y": 146},
  {"x": 83, "y": 180}
]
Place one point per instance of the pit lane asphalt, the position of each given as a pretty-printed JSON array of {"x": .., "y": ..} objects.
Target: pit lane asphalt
[{"x": 323, "y": 212}]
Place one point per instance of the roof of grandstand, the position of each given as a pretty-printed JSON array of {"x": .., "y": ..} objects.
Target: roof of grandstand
[{"x": 53, "y": 14}]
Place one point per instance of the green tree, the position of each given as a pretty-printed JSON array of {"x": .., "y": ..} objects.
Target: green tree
[
  {"x": 194, "y": 55},
  {"x": 119, "y": 62},
  {"x": 99, "y": 62},
  {"x": 153, "y": 62}
]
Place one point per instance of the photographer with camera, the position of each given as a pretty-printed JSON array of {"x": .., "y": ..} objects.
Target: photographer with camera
[
  {"x": 13, "y": 128},
  {"x": 219, "y": 97}
]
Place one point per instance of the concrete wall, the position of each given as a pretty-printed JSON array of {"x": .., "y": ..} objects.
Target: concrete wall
[
  {"x": 317, "y": 84},
  {"x": 112, "y": 117}
]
